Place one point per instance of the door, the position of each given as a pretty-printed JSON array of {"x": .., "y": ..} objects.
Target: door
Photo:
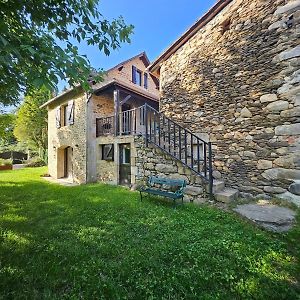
[
  {"x": 68, "y": 164},
  {"x": 124, "y": 164}
]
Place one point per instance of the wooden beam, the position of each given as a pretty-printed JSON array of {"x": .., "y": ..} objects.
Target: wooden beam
[
  {"x": 116, "y": 109},
  {"x": 125, "y": 99}
]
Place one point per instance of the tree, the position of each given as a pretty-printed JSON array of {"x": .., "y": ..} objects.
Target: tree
[
  {"x": 6, "y": 129},
  {"x": 31, "y": 121},
  {"x": 36, "y": 46}
]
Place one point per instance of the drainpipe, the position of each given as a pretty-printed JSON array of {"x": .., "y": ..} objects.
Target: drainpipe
[{"x": 87, "y": 120}]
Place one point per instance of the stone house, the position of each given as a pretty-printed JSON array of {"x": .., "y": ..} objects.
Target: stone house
[
  {"x": 227, "y": 120},
  {"x": 90, "y": 136},
  {"x": 233, "y": 79}
]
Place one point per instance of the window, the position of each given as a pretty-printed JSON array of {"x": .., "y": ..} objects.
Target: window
[
  {"x": 136, "y": 76},
  {"x": 107, "y": 152},
  {"x": 65, "y": 115},
  {"x": 126, "y": 155},
  {"x": 145, "y": 80}
]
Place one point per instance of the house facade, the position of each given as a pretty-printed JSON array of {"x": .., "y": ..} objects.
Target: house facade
[
  {"x": 226, "y": 117},
  {"x": 233, "y": 78},
  {"x": 91, "y": 136}
]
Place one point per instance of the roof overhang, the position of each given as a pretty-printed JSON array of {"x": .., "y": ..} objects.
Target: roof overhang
[
  {"x": 122, "y": 84},
  {"x": 220, "y": 5},
  {"x": 103, "y": 86}
]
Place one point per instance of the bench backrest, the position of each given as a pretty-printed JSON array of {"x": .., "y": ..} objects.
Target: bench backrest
[{"x": 166, "y": 181}]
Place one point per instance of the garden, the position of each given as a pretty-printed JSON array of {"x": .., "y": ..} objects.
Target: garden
[{"x": 98, "y": 241}]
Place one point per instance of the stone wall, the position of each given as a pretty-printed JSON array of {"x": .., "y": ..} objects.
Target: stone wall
[
  {"x": 108, "y": 171},
  {"x": 151, "y": 161},
  {"x": 240, "y": 84},
  {"x": 73, "y": 136}
]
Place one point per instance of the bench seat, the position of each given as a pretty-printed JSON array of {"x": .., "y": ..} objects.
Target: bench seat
[
  {"x": 161, "y": 193},
  {"x": 159, "y": 186}
]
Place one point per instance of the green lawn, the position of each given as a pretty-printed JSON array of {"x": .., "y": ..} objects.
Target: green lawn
[{"x": 100, "y": 242}]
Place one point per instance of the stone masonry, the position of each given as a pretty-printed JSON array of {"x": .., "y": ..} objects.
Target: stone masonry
[
  {"x": 73, "y": 136},
  {"x": 151, "y": 161},
  {"x": 240, "y": 85}
]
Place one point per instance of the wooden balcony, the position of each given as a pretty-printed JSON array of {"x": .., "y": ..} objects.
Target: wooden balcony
[{"x": 129, "y": 122}]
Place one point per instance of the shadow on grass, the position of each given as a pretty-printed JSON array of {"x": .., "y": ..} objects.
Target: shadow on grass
[{"x": 98, "y": 241}]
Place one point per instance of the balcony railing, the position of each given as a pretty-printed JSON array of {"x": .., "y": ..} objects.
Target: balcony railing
[
  {"x": 129, "y": 122},
  {"x": 105, "y": 126}
]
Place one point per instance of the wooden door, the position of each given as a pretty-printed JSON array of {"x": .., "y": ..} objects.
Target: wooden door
[{"x": 68, "y": 162}]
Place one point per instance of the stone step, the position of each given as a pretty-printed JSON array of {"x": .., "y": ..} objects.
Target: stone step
[
  {"x": 218, "y": 186},
  {"x": 227, "y": 195}
]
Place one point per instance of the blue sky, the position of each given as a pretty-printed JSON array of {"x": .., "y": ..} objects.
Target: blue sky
[{"x": 158, "y": 23}]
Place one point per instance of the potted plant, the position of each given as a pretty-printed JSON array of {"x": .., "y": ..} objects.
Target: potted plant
[{"x": 5, "y": 164}]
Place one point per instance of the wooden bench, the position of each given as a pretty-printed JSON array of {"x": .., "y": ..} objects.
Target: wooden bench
[{"x": 165, "y": 187}]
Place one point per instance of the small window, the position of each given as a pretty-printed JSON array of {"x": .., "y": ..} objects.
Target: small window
[
  {"x": 145, "y": 80},
  {"x": 64, "y": 115},
  {"x": 126, "y": 155},
  {"x": 108, "y": 152},
  {"x": 136, "y": 76}
]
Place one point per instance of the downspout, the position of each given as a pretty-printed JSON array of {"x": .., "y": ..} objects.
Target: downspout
[{"x": 88, "y": 98}]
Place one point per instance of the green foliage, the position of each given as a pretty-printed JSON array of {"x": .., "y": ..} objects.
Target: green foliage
[
  {"x": 6, "y": 129},
  {"x": 4, "y": 162},
  {"x": 18, "y": 147},
  {"x": 100, "y": 242},
  {"x": 31, "y": 121},
  {"x": 37, "y": 43},
  {"x": 35, "y": 162}
]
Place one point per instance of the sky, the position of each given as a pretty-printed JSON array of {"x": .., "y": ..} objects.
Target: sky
[{"x": 158, "y": 23}]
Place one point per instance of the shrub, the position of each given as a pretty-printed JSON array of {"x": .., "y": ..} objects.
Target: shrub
[
  {"x": 5, "y": 162},
  {"x": 35, "y": 162}
]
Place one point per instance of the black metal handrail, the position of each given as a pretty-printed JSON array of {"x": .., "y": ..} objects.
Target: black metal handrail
[{"x": 179, "y": 142}]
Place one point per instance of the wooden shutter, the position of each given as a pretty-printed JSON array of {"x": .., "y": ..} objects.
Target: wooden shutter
[
  {"x": 58, "y": 117},
  {"x": 108, "y": 152},
  {"x": 145, "y": 80},
  {"x": 134, "y": 74},
  {"x": 71, "y": 112}
]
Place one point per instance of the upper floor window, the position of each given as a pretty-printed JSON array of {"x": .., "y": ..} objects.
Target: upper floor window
[
  {"x": 139, "y": 78},
  {"x": 65, "y": 114}
]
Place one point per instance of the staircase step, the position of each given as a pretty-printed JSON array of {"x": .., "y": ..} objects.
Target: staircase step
[
  {"x": 218, "y": 186},
  {"x": 227, "y": 195}
]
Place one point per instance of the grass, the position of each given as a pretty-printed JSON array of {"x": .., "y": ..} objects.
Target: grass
[{"x": 100, "y": 242}]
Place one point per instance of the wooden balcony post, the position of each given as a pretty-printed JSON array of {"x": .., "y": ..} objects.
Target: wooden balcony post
[{"x": 116, "y": 110}]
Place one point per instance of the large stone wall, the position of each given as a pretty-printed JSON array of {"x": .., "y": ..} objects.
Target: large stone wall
[{"x": 241, "y": 86}]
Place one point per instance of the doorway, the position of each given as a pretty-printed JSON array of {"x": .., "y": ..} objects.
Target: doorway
[
  {"x": 124, "y": 164},
  {"x": 68, "y": 162}
]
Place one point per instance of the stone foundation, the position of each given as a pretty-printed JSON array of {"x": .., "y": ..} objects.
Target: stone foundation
[{"x": 151, "y": 161}]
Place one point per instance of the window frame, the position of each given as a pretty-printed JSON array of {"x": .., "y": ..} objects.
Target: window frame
[
  {"x": 64, "y": 115},
  {"x": 107, "y": 155}
]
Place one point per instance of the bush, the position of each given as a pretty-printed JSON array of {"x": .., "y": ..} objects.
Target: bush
[
  {"x": 35, "y": 162},
  {"x": 5, "y": 162}
]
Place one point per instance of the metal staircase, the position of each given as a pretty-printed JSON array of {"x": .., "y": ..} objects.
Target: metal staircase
[{"x": 180, "y": 143}]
